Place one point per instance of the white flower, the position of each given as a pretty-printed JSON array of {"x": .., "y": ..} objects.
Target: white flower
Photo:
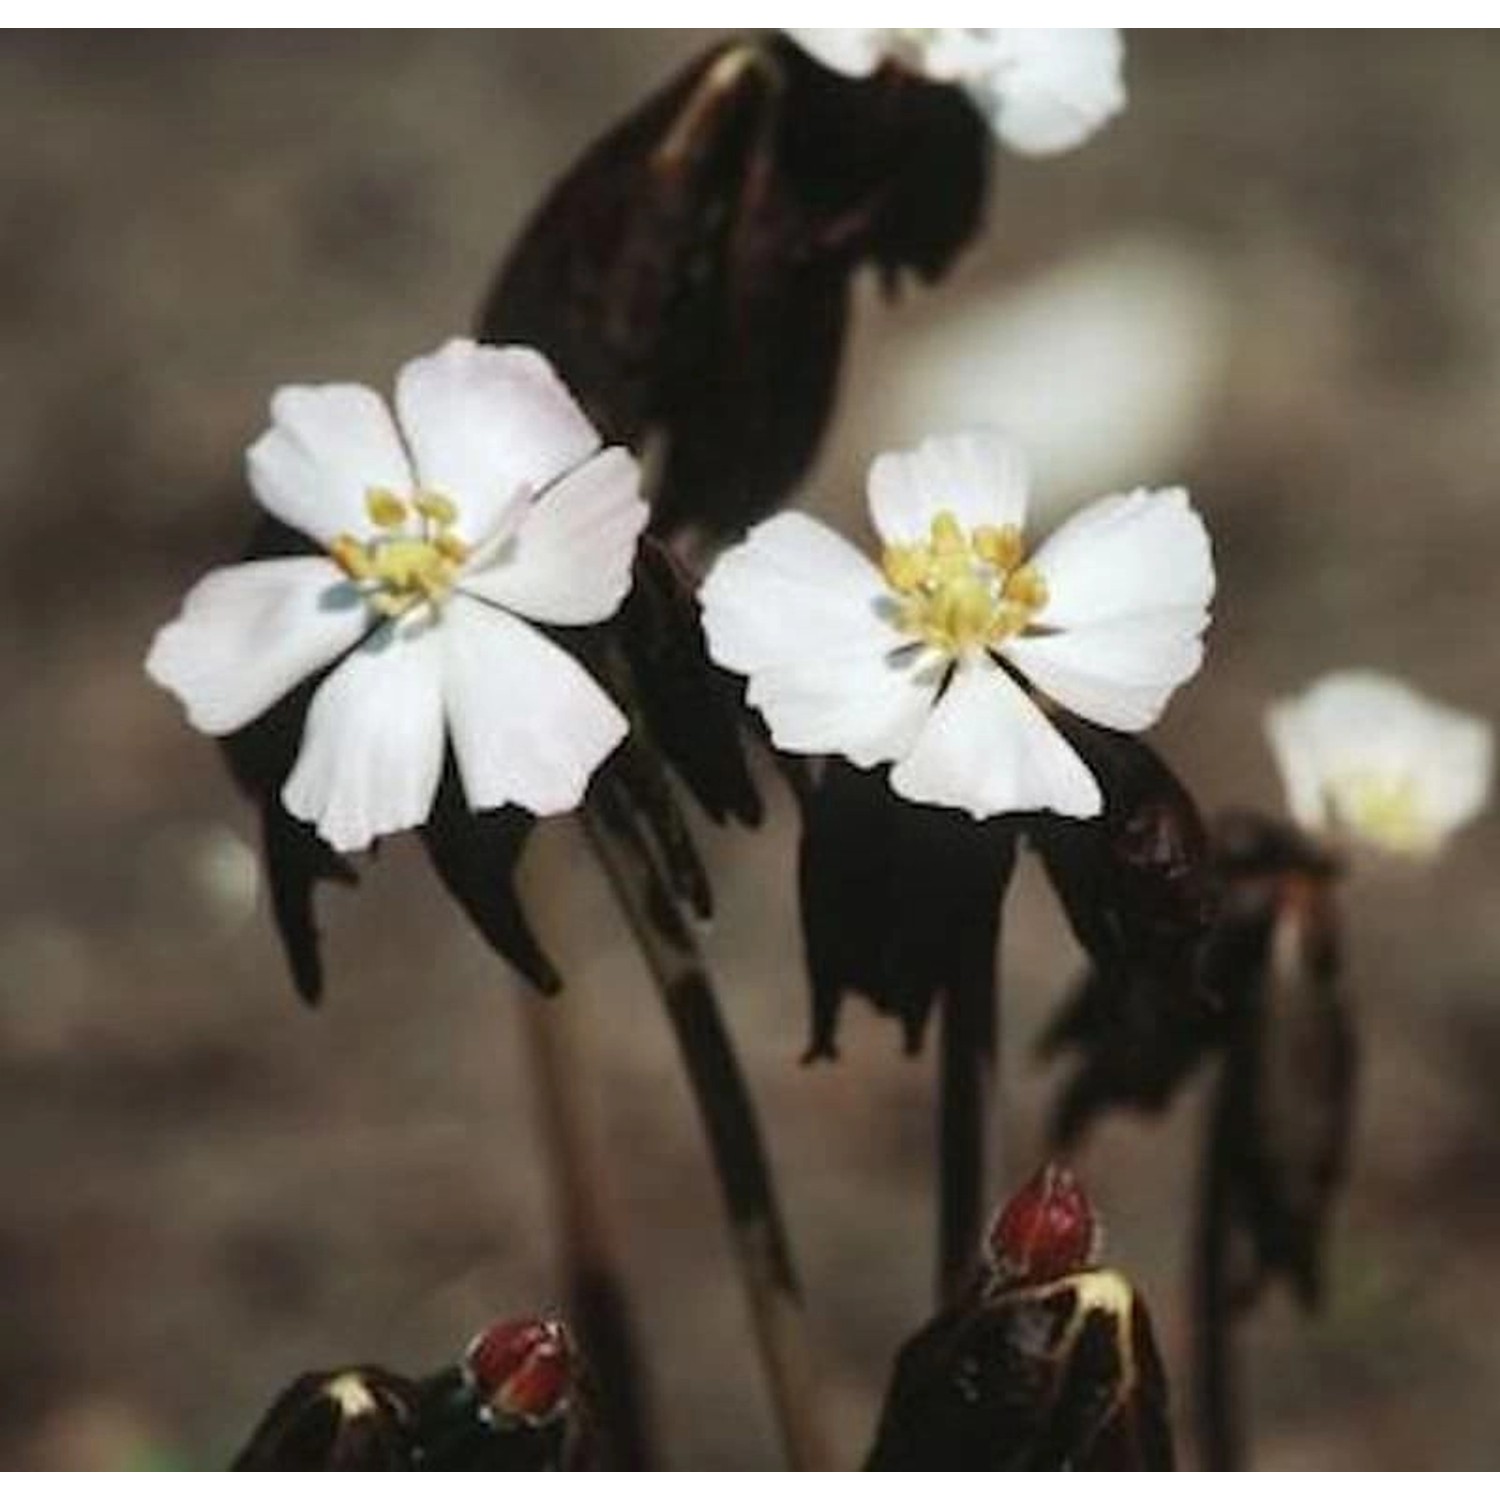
[
  {"x": 1366, "y": 753},
  {"x": 486, "y": 502},
  {"x": 1044, "y": 89},
  {"x": 916, "y": 661}
]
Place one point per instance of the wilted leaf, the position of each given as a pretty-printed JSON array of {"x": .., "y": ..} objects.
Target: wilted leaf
[
  {"x": 690, "y": 275},
  {"x": 899, "y": 902}
]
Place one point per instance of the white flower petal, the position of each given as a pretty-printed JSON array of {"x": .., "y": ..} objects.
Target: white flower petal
[
  {"x": 568, "y": 560},
  {"x": 959, "y": 54},
  {"x": 1120, "y": 673},
  {"x": 1050, "y": 89},
  {"x": 1135, "y": 554},
  {"x": 988, "y": 749},
  {"x": 1297, "y": 755},
  {"x": 247, "y": 635},
  {"x": 529, "y": 725},
  {"x": 868, "y": 709},
  {"x": 978, "y": 476},
  {"x": 855, "y": 51},
  {"x": 327, "y": 446},
  {"x": 372, "y": 747},
  {"x": 483, "y": 423},
  {"x": 799, "y": 610},
  {"x": 792, "y": 588},
  {"x": 1368, "y": 752}
]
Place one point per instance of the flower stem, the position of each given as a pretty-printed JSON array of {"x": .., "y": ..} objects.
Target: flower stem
[
  {"x": 1219, "y": 1433},
  {"x": 586, "y": 1231},
  {"x": 728, "y": 1115},
  {"x": 967, "y": 1089}
]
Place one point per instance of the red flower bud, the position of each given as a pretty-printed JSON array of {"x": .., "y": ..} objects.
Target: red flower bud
[
  {"x": 522, "y": 1370},
  {"x": 1047, "y": 1230}
]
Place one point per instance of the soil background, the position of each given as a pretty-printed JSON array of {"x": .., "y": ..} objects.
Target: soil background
[{"x": 208, "y": 1189}]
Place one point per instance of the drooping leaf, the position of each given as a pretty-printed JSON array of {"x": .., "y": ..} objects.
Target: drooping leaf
[
  {"x": 899, "y": 902},
  {"x": 475, "y": 856},
  {"x": 1283, "y": 1118},
  {"x": 1139, "y": 890},
  {"x": 689, "y": 707},
  {"x": 690, "y": 275},
  {"x": 261, "y": 757}
]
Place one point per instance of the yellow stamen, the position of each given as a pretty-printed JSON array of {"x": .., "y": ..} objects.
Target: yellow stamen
[
  {"x": 904, "y": 567},
  {"x": 948, "y": 539},
  {"x": 961, "y": 589},
  {"x": 1027, "y": 588},
  {"x": 438, "y": 509},
  {"x": 403, "y": 568},
  {"x": 1386, "y": 810},
  {"x": 999, "y": 546},
  {"x": 349, "y": 554},
  {"x": 386, "y": 510}
]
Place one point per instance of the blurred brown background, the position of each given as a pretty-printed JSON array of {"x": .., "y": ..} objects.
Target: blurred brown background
[{"x": 1277, "y": 278}]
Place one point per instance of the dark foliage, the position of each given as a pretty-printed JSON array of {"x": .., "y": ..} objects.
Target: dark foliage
[
  {"x": 1284, "y": 1111},
  {"x": 368, "y": 1418},
  {"x": 689, "y": 707},
  {"x": 1060, "y": 1375},
  {"x": 360, "y": 1418},
  {"x": 690, "y": 275},
  {"x": 455, "y": 1431},
  {"x": 1139, "y": 889},
  {"x": 899, "y": 902},
  {"x": 475, "y": 855}
]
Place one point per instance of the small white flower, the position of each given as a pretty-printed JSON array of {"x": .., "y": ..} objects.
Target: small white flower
[
  {"x": 916, "y": 661},
  {"x": 1366, "y": 753},
  {"x": 486, "y": 502},
  {"x": 1044, "y": 90}
]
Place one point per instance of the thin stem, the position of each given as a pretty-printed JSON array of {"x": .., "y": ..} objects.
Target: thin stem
[
  {"x": 969, "y": 1091},
  {"x": 1215, "y": 1396},
  {"x": 586, "y": 1232},
  {"x": 966, "y": 1077},
  {"x": 740, "y": 1163}
]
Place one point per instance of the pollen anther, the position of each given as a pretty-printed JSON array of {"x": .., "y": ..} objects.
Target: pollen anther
[
  {"x": 406, "y": 565},
  {"x": 961, "y": 589}
]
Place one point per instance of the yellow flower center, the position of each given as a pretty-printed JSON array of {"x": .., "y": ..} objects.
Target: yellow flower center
[
  {"x": 1385, "y": 809},
  {"x": 405, "y": 565},
  {"x": 961, "y": 589}
]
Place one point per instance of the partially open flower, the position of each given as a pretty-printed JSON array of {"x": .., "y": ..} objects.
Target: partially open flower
[
  {"x": 1043, "y": 89},
  {"x": 486, "y": 504},
  {"x": 924, "y": 660},
  {"x": 1365, "y": 754}
]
